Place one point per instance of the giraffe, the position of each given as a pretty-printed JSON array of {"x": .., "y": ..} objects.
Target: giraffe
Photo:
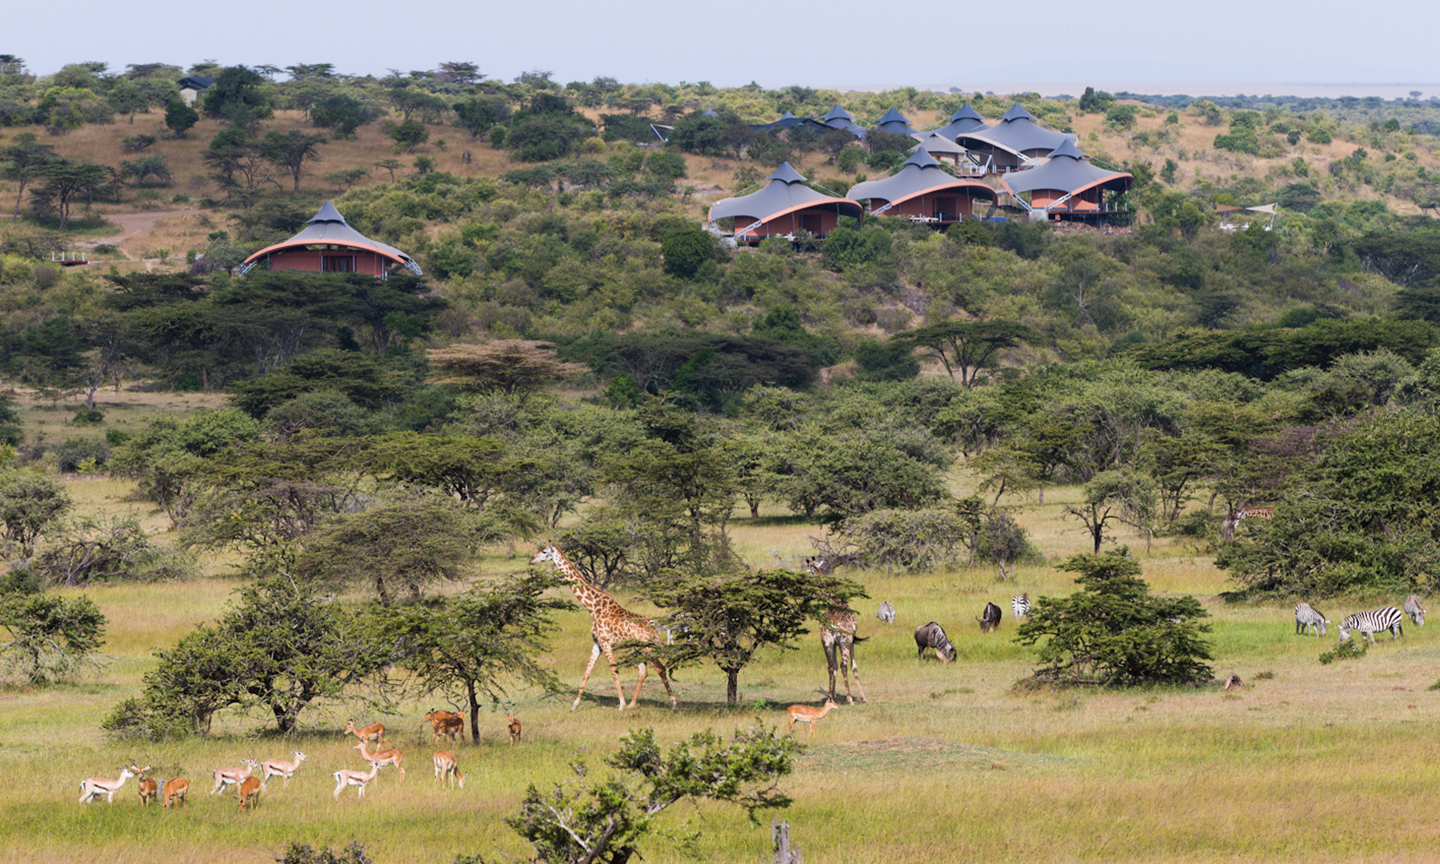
[
  {"x": 1233, "y": 519},
  {"x": 837, "y": 631},
  {"x": 610, "y": 623}
]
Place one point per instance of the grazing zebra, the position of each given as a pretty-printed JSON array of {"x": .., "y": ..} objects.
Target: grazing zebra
[
  {"x": 1373, "y": 622},
  {"x": 1020, "y": 605},
  {"x": 1415, "y": 610},
  {"x": 1306, "y": 617},
  {"x": 887, "y": 612}
]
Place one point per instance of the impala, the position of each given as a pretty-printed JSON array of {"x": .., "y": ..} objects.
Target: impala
[
  {"x": 249, "y": 791},
  {"x": 355, "y": 778},
  {"x": 232, "y": 776},
  {"x": 374, "y": 732},
  {"x": 808, "y": 714},
  {"x": 175, "y": 789},
  {"x": 94, "y": 787},
  {"x": 514, "y": 729},
  {"x": 149, "y": 788},
  {"x": 446, "y": 724},
  {"x": 280, "y": 768},
  {"x": 446, "y": 766},
  {"x": 382, "y": 757}
]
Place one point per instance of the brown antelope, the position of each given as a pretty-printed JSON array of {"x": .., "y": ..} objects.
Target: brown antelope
[
  {"x": 808, "y": 714},
  {"x": 93, "y": 787},
  {"x": 149, "y": 788},
  {"x": 445, "y": 724},
  {"x": 355, "y": 778},
  {"x": 383, "y": 757},
  {"x": 374, "y": 732},
  {"x": 249, "y": 792},
  {"x": 446, "y": 766},
  {"x": 280, "y": 768},
  {"x": 175, "y": 789},
  {"x": 514, "y": 726},
  {"x": 232, "y": 776}
]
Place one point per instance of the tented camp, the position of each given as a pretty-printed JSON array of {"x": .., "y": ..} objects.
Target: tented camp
[
  {"x": 923, "y": 191},
  {"x": 1016, "y": 142},
  {"x": 967, "y": 119},
  {"x": 839, "y": 118},
  {"x": 942, "y": 148},
  {"x": 1069, "y": 187},
  {"x": 788, "y": 121},
  {"x": 894, "y": 122},
  {"x": 327, "y": 244},
  {"x": 783, "y": 206}
]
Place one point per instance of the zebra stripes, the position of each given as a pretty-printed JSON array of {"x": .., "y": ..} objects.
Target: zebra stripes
[
  {"x": 1373, "y": 622},
  {"x": 1307, "y": 617},
  {"x": 1415, "y": 610},
  {"x": 1020, "y": 605}
]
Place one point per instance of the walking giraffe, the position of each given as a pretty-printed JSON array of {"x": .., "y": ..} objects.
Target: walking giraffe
[
  {"x": 837, "y": 631},
  {"x": 610, "y": 623}
]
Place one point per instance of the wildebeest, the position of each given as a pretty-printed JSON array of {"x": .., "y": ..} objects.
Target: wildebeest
[
  {"x": 990, "y": 618},
  {"x": 932, "y": 636},
  {"x": 886, "y": 613}
]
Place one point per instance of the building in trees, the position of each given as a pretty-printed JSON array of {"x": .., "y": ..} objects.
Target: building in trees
[
  {"x": 191, "y": 86},
  {"x": 1016, "y": 142},
  {"x": 922, "y": 191},
  {"x": 328, "y": 244},
  {"x": 783, "y": 206},
  {"x": 839, "y": 118},
  {"x": 1069, "y": 187},
  {"x": 895, "y": 123}
]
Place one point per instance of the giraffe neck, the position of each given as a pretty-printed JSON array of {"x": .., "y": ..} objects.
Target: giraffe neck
[{"x": 592, "y": 598}]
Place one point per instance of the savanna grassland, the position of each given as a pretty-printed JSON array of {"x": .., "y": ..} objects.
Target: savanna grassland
[{"x": 945, "y": 761}]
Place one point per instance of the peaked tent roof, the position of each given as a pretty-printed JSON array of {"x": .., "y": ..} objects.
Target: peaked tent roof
[
  {"x": 784, "y": 190},
  {"x": 1067, "y": 171},
  {"x": 837, "y": 113},
  {"x": 709, "y": 112},
  {"x": 1018, "y": 132},
  {"x": 894, "y": 121},
  {"x": 934, "y": 142},
  {"x": 329, "y": 228},
  {"x": 967, "y": 119},
  {"x": 919, "y": 174}
]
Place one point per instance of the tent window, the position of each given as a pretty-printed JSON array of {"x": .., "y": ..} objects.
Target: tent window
[{"x": 338, "y": 264}]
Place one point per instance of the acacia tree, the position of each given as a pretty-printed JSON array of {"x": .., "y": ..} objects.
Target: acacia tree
[
  {"x": 65, "y": 182},
  {"x": 291, "y": 150},
  {"x": 727, "y": 618},
  {"x": 477, "y": 641},
  {"x": 606, "y": 821},
  {"x": 967, "y": 346},
  {"x": 23, "y": 161},
  {"x": 1114, "y": 496},
  {"x": 51, "y": 637}
]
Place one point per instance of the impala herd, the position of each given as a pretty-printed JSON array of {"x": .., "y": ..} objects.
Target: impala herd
[{"x": 248, "y": 786}]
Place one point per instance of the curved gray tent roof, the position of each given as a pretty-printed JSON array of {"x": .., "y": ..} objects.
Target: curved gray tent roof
[
  {"x": 1067, "y": 171},
  {"x": 329, "y": 228},
  {"x": 784, "y": 190},
  {"x": 967, "y": 119},
  {"x": 934, "y": 142},
  {"x": 837, "y": 113},
  {"x": 1018, "y": 132},
  {"x": 894, "y": 121},
  {"x": 917, "y": 175}
]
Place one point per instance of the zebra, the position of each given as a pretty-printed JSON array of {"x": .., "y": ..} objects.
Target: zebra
[
  {"x": 1307, "y": 617},
  {"x": 887, "y": 612},
  {"x": 1373, "y": 622},
  {"x": 1020, "y": 605},
  {"x": 1415, "y": 610}
]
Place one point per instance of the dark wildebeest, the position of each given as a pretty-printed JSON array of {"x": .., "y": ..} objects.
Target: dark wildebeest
[
  {"x": 990, "y": 618},
  {"x": 932, "y": 636}
]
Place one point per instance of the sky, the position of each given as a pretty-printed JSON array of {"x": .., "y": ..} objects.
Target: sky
[{"x": 841, "y": 44}]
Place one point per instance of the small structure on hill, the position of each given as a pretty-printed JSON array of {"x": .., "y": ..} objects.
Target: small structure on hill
[
  {"x": 191, "y": 86},
  {"x": 1018, "y": 141},
  {"x": 783, "y": 206},
  {"x": 1069, "y": 187},
  {"x": 894, "y": 122},
  {"x": 923, "y": 191},
  {"x": 328, "y": 244},
  {"x": 839, "y": 118}
]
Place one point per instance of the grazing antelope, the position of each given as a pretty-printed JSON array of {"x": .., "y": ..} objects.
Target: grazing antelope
[
  {"x": 445, "y": 765},
  {"x": 149, "y": 788},
  {"x": 514, "y": 727},
  {"x": 179, "y": 788},
  {"x": 446, "y": 724},
  {"x": 93, "y": 787},
  {"x": 374, "y": 732},
  {"x": 808, "y": 714},
  {"x": 383, "y": 757},
  {"x": 249, "y": 792},
  {"x": 355, "y": 778},
  {"x": 280, "y": 768},
  {"x": 232, "y": 776}
]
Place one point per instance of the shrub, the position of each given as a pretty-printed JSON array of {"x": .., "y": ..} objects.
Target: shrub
[
  {"x": 909, "y": 539},
  {"x": 74, "y": 452}
]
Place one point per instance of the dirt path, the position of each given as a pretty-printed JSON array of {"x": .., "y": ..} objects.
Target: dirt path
[{"x": 133, "y": 225}]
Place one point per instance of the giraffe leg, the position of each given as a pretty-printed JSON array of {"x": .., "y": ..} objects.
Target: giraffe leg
[
  {"x": 594, "y": 655},
  {"x": 846, "y": 650},
  {"x": 855, "y": 669},
  {"x": 665, "y": 679},
  {"x": 827, "y": 639},
  {"x": 615, "y": 673},
  {"x": 638, "y": 685}
]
